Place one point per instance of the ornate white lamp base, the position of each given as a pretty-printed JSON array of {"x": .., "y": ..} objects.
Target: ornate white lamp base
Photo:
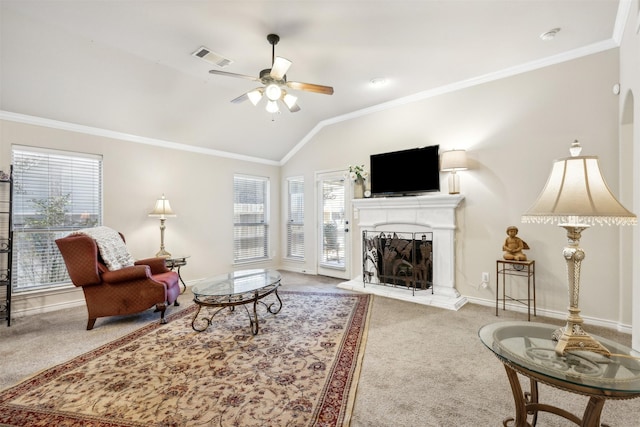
[
  {"x": 162, "y": 253},
  {"x": 572, "y": 337}
]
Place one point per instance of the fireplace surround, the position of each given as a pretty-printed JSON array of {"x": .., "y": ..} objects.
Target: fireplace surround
[{"x": 434, "y": 214}]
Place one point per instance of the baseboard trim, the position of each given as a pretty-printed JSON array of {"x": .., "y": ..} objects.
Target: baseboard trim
[
  {"x": 554, "y": 314},
  {"x": 37, "y": 302}
]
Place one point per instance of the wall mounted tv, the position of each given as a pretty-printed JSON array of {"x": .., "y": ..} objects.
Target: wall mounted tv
[{"x": 406, "y": 172}]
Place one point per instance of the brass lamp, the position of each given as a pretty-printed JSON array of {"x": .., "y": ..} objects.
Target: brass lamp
[
  {"x": 452, "y": 161},
  {"x": 162, "y": 210},
  {"x": 576, "y": 197}
]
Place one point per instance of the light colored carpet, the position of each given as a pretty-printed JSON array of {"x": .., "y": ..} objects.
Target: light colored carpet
[
  {"x": 427, "y": 367},
  {"x": 422, "y": 366}
]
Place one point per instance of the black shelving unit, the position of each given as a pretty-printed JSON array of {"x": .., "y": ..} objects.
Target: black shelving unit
[{"x": 6, "y": 244}]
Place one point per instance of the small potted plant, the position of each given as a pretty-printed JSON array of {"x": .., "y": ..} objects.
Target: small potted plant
[{"x": 358, "y": 174}]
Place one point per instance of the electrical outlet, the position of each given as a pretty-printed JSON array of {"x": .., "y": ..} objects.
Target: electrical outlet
[{"x": 485, "y": 277}]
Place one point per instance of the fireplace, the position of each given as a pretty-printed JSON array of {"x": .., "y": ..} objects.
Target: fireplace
[
  {"x": 433, "y": 215},
  {"x": 398, "y": 259}
]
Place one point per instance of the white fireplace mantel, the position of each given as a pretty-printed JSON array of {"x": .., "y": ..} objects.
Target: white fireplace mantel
[{"x": 431, "y": 213}]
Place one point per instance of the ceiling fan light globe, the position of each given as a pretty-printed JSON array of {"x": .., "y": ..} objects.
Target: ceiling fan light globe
[
  {"x": 272, "y": 107},
  {"x": 290, "y": 100},
  {"x": 254, "y": 96},
  {"x": 279, "y": 68},
  {"x": 273, "y": 92}
]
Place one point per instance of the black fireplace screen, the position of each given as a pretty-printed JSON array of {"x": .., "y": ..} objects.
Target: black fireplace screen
[{"x": 398, "y": 259}]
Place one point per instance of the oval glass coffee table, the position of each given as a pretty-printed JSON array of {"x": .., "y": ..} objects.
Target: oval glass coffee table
[{"x": 242, "y": 287}]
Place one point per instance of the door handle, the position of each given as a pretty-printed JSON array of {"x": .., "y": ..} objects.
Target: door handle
[{"x": 346, "y": 230}]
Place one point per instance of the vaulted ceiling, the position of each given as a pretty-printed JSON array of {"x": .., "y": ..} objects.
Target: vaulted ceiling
[{"x": 127, "y": 66}]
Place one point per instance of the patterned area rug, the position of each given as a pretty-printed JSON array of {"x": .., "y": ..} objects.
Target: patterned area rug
[{"x": 300, "y": 370}]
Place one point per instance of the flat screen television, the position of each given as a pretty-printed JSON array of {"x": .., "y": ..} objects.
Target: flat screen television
[{"x": 406, "y": 172}]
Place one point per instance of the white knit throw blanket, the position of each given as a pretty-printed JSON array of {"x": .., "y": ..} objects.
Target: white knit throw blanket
[{"x": 112, "y": 249}]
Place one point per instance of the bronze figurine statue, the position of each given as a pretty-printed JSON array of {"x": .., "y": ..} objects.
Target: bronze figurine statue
[{"x": 513, "y": 245}]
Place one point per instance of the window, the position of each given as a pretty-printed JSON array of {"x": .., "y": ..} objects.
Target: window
[
  {"x": 55, "y": 192},
  {"x": 333, "y": 221},
  {"x": 295, "y": 218},
  {"x": 250, "y": 218}
]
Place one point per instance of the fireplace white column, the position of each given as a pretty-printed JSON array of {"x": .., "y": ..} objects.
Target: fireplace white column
[{"x": 431, "y": 213}]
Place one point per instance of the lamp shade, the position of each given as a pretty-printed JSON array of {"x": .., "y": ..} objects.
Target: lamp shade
[
  {"x": 162, "y": 209},
  {"x": 454, "y": 160},
  {"x": 576, "y": 193}
]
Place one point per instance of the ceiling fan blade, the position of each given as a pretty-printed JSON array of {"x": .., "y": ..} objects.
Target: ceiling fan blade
[
  {"x": 309, "y": 87},
  {"x": 241, "y": 76},
  {"x": 240, "y": 99},
  {"x": 279, "y": 68}
]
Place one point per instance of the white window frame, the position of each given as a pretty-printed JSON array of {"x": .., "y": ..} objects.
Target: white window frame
[
  {"x": 295, "y": 219},
  {"x": 54, "y": 193},
  {"x": 255, "y": 227}
]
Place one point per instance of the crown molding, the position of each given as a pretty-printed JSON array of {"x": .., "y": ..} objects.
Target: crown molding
[
  {"x": 624, "y": 9},
  {"x": 56, "y": 124},
  {"x": 460, "y": 85}
]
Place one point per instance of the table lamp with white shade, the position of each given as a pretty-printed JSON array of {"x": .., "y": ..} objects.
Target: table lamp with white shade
[
  {"x": 453, "y": 161},
  {"x": 576, "y": 197},
  {"x": 162, "y": 210}
]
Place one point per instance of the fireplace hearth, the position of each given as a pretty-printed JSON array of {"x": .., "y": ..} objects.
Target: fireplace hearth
[{"x": 398, "y": 259}]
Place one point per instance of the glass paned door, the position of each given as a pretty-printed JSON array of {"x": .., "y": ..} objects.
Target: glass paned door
[{"x": 334, "y": 244}]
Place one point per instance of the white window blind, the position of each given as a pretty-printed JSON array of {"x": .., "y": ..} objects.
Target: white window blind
[
  {"x": 55, "y": 192},
  {"x": 250, "y": 218},
  {"x": 295, "y": 218}
]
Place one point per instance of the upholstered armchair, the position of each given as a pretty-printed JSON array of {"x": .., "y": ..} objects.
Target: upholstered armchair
[{"x": 127, "y": 290}]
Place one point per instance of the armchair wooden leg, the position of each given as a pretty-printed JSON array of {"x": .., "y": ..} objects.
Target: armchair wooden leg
[
  {"x": 176, "y": 303},
  {"x": 161, "y": 308},
  {"x": 90, "y": 324}
]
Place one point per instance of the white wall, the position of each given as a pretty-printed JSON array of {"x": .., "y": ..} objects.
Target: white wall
[
  {"x": 629, "y": 119},
  {"x": 513, "y": 129},
  {"x": 199, "y": 187}
]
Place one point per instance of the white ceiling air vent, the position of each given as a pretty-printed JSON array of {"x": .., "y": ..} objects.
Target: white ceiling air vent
[{"x": 212, "y": 57}]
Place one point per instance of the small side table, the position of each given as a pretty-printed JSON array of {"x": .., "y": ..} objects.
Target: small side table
[
  {"x": 175, "y": 263},
  {"x": 526, "y": 348},
  {"x": 526, "y": 269}
]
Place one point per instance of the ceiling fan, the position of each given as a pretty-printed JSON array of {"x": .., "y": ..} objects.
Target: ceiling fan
[{"x": 275, "y": 83}]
